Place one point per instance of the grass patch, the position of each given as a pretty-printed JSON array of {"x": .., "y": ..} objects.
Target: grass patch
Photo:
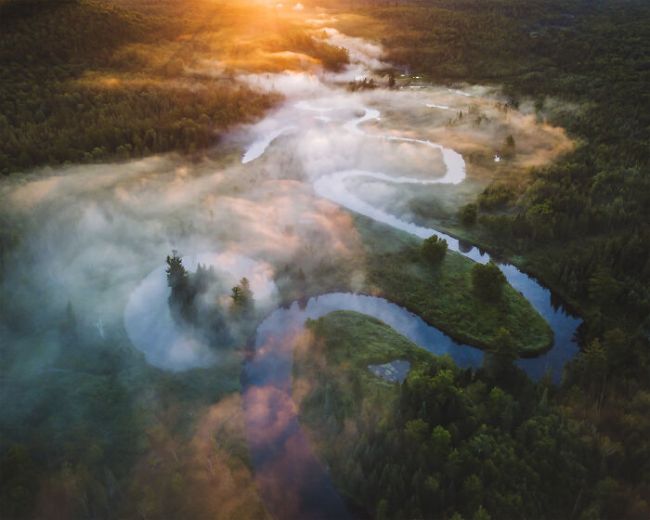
[
  {"x": 389, "y": 264},
  {"x": 362, "y": 340},
  {"x": 443, "y": 295}
]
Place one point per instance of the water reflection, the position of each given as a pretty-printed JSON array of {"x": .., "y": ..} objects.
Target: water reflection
[
  {"x": 464, "y": 246},
  {"x": 292, "y": 481}
]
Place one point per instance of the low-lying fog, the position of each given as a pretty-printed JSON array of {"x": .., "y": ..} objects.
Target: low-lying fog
[
  {"x": 92, "y": 237},
  {"x": 85, "y": 273}
]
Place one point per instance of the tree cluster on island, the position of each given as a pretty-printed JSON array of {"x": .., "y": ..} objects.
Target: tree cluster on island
[
  {"x": 362, "y": 84},
  {"x": 488, "y": 281},
  {"x": 193, "y": 301}
]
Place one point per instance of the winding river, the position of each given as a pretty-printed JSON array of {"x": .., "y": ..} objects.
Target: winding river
[{"x": 292, "y": 480}]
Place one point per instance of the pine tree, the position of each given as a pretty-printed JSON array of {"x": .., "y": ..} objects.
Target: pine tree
[
  {"x": 176, "y": 272},
  {"x": 243, "y": 302}
]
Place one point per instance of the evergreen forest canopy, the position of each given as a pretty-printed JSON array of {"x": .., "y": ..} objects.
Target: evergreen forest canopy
[
  {"x": 86, "y": 81},
  {"x": 447, "y": 443},
  {"x": 582, "y": 224}
]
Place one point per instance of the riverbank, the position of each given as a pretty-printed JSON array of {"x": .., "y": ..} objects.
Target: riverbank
[
  {"x": 413, "y": 450},
  {"x": 443, "y": 295},
  {"x": 393, "y": 268}
]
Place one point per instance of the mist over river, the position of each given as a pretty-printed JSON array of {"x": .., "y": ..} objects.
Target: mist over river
[{"x": 284, "y": 191}]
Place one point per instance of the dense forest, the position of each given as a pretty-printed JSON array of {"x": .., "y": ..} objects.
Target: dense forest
[
  {"x": 595, "y": 200},
  {"x": 581, "y": 224},
  {"x": 84, "y": 81},
  {"x": 447, "y": 443}
]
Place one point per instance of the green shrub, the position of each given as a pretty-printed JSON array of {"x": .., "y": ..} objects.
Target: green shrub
[
  {"x": 488, "y": 281},
  {"x": 434, "y": 249}
]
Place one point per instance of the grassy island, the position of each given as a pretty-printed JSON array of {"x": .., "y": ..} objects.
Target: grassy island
[{"x": 443, "y": 294}]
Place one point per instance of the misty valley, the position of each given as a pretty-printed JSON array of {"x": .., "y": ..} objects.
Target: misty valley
[{"x": 324, "y": 260}]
